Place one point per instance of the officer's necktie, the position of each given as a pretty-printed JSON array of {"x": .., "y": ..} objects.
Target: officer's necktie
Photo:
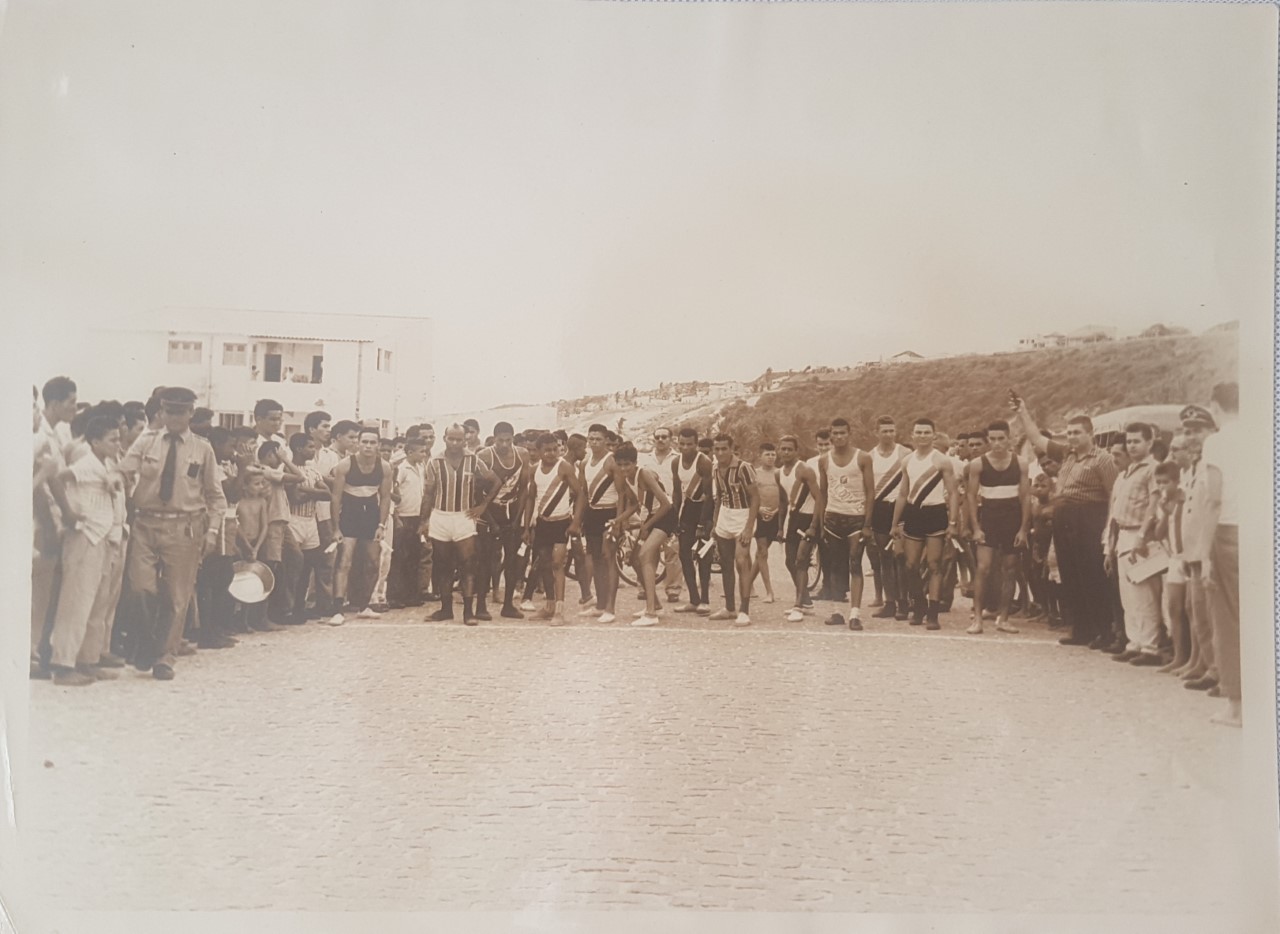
[{"x": 170, "y": 468}]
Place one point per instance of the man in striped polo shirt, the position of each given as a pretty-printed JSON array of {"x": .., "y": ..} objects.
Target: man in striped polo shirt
[
  {"x": 737, "y": 501},
  {"x": 451, "y": 504},
  {"x": 1080, "y": 501}
]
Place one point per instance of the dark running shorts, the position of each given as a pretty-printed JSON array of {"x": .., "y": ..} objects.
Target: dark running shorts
[
  {"x": 882, "y": 517},
  {"x": 1000, "y": 521},
  {"x": 594, "y": 521},
  {"x": 551, "y": 532},
  {"x": 797, "y": 524},
  {"x": 924, "y": 521},
  {"x": 767, "y": 528}
]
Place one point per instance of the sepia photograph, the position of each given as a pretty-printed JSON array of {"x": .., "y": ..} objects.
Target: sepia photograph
[{"x": 573, "y": 465}]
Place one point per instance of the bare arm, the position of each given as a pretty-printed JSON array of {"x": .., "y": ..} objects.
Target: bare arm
[
  {"x": 339, "y": 486},
  {"x": 1030, "y": 428},
  {"x": 868, "y": 490},
  {"x": 578, "y": 489},
  {"x": 974, "y": 472}
]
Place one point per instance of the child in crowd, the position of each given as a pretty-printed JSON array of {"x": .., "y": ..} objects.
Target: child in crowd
[
  {"x": 1044, "y": 562},
  {"x": 252, "y": 531},
  {"x": 306, "y": 531},
  {"x": 1168, "y": 509}
]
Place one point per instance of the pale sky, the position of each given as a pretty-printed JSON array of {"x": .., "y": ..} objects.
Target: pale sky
[{"x": 591, "y": 196}]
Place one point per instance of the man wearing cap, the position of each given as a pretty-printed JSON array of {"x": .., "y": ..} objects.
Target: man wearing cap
[
  {"x": 1081, "y": 500},
  {"x": 1197, "y": 425},
  {"x": 178, "y": 507}
]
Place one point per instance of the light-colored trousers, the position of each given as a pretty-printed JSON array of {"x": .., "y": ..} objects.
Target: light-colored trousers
[{"x": 91, "y": 580}]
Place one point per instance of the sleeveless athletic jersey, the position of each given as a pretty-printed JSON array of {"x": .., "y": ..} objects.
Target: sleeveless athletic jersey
[
  {"x": 646, "y": 501},
  {"x": 360, "y": 484},
  {"x": 551, "y": 493},
  {"x": 798, "y": 496},
  {"x": 455, "y": 486},
  {"x": 360, "y": 508},
  {"x": 999, "y": 484},
  {"x": 845, "y": 493},
  {"x": 601, "y": 493},
  {"x": 925, "y": 486},
  {"x": 660, "y": 467},
  {"x": 732, "y": 491},
  {"x": 886, "y": 470},
  {"x": 508, "y": 477},
  {"x": 688, "y": 476}
]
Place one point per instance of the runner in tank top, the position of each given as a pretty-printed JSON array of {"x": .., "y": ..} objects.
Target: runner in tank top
[
  {"x": 737, "y": 503},
  {"x": 360, "y": 506},
  {"x": 644, "y": 496},
  {"x": 452, "y": 500},
  {"x": 769, "y": 523},
  {"x": 660, "y": 461},
  {"x": 554, "y": 503},
  {"x": 691, "y": 482},
  {"x": 999, "y": 505},
  {"x": 802, "y": 495},
  {"x": 599, "y": 478},
  {"x": 887, "y": 561},
  {"x": 822, "y": 441},
  {"x": 926, "y": 512},
  {"x": 500, "y": 530},
  {"x": 847, "y": 487}
]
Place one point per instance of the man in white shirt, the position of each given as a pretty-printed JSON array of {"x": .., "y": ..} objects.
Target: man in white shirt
[
  {"x": 93, "y": 560},
  {"x": 1217, "y": 543},
  {"x": 59, "y": 395},
  {"x": 403, "y": 583}
]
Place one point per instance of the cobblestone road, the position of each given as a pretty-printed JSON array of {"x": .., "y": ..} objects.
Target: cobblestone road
[{"x": 412, "y": 765}]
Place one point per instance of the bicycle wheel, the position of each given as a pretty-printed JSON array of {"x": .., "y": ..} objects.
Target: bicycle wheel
[{"x": 814, "y": 577}]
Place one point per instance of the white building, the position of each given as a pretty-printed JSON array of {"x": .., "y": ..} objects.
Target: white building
[{"x": 352, "y": 366}]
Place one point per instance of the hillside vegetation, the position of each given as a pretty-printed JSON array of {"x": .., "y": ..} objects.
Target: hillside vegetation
[{"x": 965, "y": 393}]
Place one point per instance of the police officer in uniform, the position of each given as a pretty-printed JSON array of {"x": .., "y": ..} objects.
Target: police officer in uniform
[{"x": 178, "y": 505}]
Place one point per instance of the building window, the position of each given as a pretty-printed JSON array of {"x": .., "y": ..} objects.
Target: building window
[
  {"x": 235, "y": 354},
  {"x": 185, "y": 351},
  {"x": 231, "y": 419},
  {"x": 384, "y": 360}
]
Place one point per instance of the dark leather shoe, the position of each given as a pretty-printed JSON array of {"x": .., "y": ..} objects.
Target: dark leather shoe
[
  {"x": 267, "y": 626},
  {"x": 888, "y": 611},
  {"x": 1118, "y": 647},
  {"x": 1125, "y": 656},
  {"x": 1145, "y": 660},
  {"x": 1215, "y": 691},
  {"x": 1201, "y": 684},
  {"x": 39, "y": 672},
  {"x": 470, "y": 621},
  {"x": 835, "y": 619},
  {"x": 186, "y": 649},
  {"x": 1098, "y": 643},
  {"x": 855, "y": 624},
  {"x": 441, "y": 615},
  {"x": 483, "y": 615},
  {"x": 162, "y": 673},
  {"x": 511, "y": 612},
  {"x": 107, "y": 660},
  {"x": 1072, "y": 640}
]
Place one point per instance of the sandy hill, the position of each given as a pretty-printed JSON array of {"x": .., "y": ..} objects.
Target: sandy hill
[{"x": 959, "y": 393}]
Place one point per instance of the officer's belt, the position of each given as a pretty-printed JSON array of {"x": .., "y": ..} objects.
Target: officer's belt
[{"x": 174, "y": 514}]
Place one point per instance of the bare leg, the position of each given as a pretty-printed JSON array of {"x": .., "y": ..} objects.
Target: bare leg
[
  {"x": 647, "y": 568},
  {"x": 981, "y": 578}
]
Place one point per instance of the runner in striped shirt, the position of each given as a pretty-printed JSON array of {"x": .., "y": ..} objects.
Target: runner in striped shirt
[
  {"x": 554, "y": 503},
  {"x": 452, "y": 502},
  {"x": 501, "y": 529},
  {"x": 691, "y": 483},
  {"x": 926, "y": 513},
  {"x": 887, "y": 561},
  {"x": 600, "y": 478},
  {"x": 802, "y": 495},
  {"x": 737, "y": 502}
]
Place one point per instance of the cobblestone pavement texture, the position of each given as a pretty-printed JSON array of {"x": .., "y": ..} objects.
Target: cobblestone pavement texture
[{"x": 414, "y": 765}]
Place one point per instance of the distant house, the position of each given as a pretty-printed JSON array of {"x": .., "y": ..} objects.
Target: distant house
[
  {"x": 1090, "y": 334},
  {"x": 1163, "y": 330},
  {"x": 906, "y": 356}
]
